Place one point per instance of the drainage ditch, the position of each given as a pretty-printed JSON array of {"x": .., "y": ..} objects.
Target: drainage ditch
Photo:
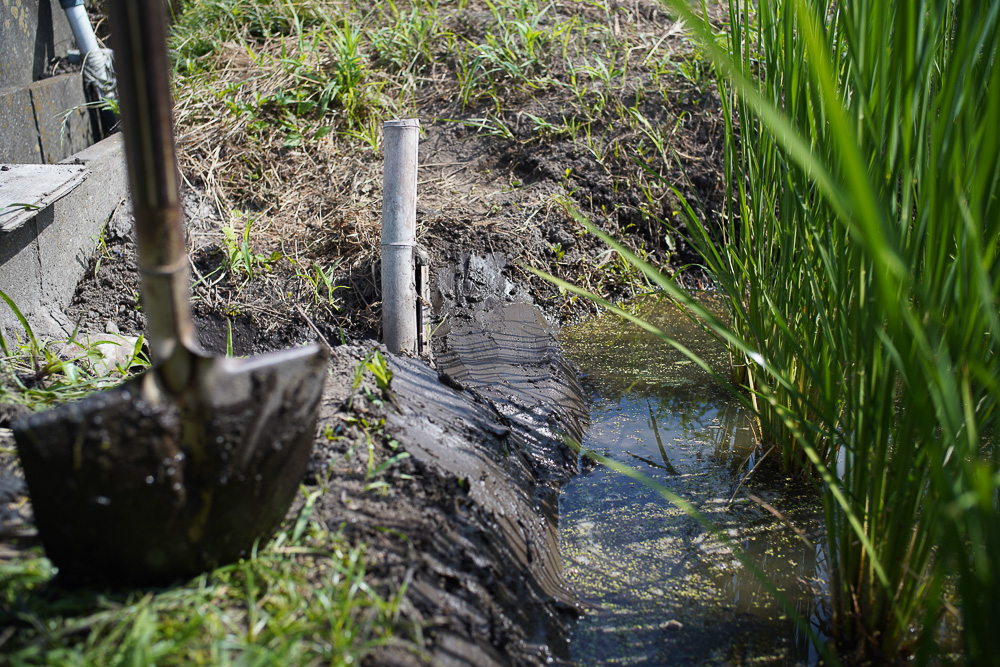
[{"x": 660, "y": 588}]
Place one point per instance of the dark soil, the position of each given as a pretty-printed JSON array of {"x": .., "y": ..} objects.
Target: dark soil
[{"x": 468, "y": 521}]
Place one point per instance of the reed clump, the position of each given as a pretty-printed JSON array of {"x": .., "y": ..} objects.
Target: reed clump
[
  {"x": 860, "y": 266},
  {"x": 858, "y": 257}
]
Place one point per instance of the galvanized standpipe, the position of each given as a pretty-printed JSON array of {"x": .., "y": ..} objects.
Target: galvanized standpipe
[
  {"x": 399, "y": 235},
  {"x": 98, "y": 69}
]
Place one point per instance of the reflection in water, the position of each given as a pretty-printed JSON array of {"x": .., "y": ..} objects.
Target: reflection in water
[{"x": 665, "y": 591}]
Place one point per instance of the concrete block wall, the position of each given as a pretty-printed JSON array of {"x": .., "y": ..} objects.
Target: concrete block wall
[
  {"x": 18, "y": 133},
  {"x": 32, "y": 33},
  {"x": 64, "y": 127},
  {"x": 41, "y": 121},
  {"x": 41, "y": 117}
]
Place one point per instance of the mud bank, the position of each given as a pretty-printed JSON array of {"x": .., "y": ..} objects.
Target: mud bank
[
  {"x": 449, "y": 479},
  {"x": 469, "y": 520}
]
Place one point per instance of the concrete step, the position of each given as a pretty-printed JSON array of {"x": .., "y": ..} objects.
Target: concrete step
[{"x": 44, "y": 251}]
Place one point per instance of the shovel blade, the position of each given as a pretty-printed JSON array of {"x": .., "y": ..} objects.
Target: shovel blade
[{"x": 138, "y": 487}]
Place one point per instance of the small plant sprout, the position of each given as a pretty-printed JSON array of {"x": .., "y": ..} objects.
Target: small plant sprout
[
  {"x": 239, "y": 256},
  {"x": 321, "y": 282},
  {"x": 379, "y": 368}
]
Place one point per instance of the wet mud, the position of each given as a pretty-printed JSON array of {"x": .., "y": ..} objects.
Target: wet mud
[
  {"x": 470, "y": 453},
  {"x": 487, "y": 424}
]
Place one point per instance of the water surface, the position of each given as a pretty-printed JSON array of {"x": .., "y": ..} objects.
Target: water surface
[{"x": 663, "y": 589}]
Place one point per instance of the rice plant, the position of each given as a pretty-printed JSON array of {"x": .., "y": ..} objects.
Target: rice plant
[
  {"x": 872, "y": 238},
  {"x": 859, "y": 260},
  {"x": 860, "y": 265}
]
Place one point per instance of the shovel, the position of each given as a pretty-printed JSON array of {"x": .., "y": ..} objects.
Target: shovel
[{"x": 185, "y": 467}]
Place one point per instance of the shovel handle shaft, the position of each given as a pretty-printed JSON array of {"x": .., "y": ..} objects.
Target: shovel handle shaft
[{"x": 139, "y": 40}]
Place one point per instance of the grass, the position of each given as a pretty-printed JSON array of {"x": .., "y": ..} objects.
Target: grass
[
  {"x": 858, "y": 258},
  {"x": 301, "y": 600},
  {"x": 38, "y": 374},
  {"x": 279, "y": 110}
]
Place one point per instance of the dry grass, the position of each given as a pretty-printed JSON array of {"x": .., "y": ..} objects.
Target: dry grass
[{"x": 279, "y": 110}]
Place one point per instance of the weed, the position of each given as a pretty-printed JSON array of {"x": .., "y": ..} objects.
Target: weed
[
  {"x": 239, "y": 257},
  {"x": 101, "y": 251},
  {"x": 379, "y": 368},
  {"x": 372, "y": 473},
  {"x": 103, "y": 104},
  {"x": 489, "y": 126},
  {"x": 40, "y": 374},
  {"x": 377, "y": 365},
  {"x": 319, "y": 279},
  {"x": 408, "y": 45}
]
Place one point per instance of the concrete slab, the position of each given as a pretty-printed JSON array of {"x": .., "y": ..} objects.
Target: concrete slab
[
  {"x": 26, "y": 189},
  {"x": 32, "y": 33},
  {"x": 18, "y": 134},
  {"x": 64, "y": 126}
]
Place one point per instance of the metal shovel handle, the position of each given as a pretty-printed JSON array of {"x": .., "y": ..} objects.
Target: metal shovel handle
[{"x": 139, "y": 40}]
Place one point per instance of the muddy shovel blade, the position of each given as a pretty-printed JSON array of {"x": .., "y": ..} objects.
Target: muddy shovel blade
[
  {"x": 134, "y": 486},
  {"x": 185, "y": 467}
]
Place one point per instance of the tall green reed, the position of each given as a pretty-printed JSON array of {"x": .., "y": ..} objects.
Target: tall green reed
[
  {"x": 858, "y": 255},
  {"x": 877, "y": 293}
]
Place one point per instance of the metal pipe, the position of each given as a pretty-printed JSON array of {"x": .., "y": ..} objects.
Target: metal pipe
[
  {"x": 98, "y": 68},
  {"x": 79, "y": 22},
  {"x": 399, "y": 235}
]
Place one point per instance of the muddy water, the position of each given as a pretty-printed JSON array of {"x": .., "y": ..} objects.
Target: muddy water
[{"x": 664, "y": 590}]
